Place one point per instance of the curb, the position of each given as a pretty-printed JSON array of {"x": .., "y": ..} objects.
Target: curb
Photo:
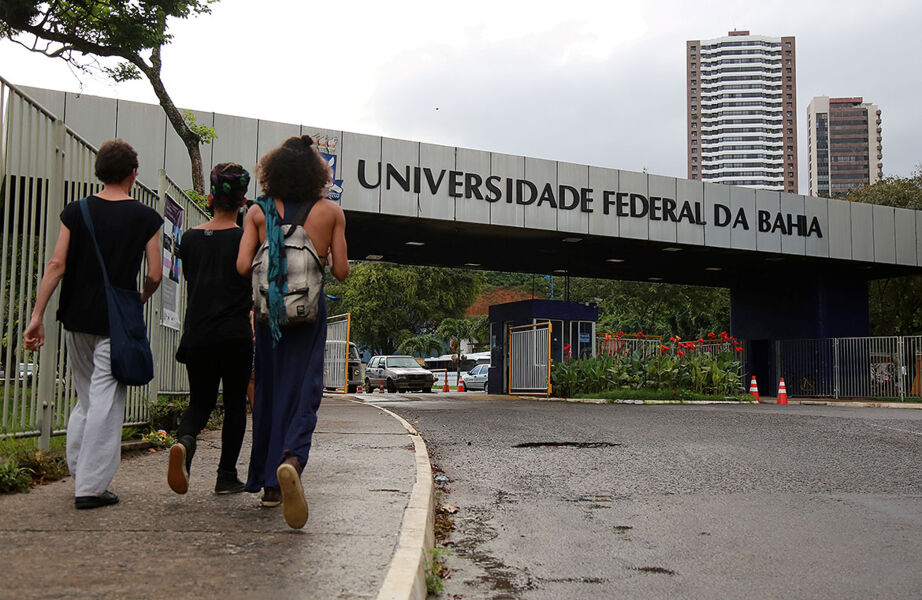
[
  {"x": 406, "y": 575},
  {"x": 896, "y": 405},
  {"x": 604, "y": 401},
  {"x": 906, "y": 405}
]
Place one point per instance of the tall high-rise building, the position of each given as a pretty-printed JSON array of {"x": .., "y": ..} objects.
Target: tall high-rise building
[
  {"x": 742, "y": 111},
  {"x": 843, "y": 145}
]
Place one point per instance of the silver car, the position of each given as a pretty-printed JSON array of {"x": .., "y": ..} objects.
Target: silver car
[
  {"x": 397, "y": 373},
  {"x": 476, "y": 378}
]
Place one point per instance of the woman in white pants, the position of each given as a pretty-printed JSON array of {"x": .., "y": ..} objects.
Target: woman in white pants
[{"x": 126, "y": 231}]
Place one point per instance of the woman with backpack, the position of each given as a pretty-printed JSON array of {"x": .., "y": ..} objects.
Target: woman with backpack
[
  {"x": 216, "y": 344},
  {"x": 289, "y": 235}
]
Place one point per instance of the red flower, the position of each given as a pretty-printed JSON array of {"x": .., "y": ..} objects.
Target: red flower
[
  {"x": 664, "y": 348},
  {"x": 739, "y": 348},
  {"x": 680, "y": 353},
  {"x": 567, "y": 347},
  {"x": 620, "y": 333},
  {"x": 700, "y": 340},
  {"x": 640, "y": 334},
  {"x": 672, "y": 339},
  {"x": 710, "y": 335}
]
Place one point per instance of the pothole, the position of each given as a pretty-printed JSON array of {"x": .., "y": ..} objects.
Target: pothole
[
  {"x": 657, "y": 570},
  {"x": 567, "y": 445}
]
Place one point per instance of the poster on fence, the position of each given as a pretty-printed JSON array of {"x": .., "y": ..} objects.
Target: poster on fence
[{"x": 172, "y": 234}]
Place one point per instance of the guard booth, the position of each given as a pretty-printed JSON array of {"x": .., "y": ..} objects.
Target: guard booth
[{"x": 557, "y": 328}]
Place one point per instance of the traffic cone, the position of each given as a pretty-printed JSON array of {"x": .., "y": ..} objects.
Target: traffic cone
[
  {"x": 359, "y": 389},
  {"x": 381, "y": 389},
  {"x": 445, "y": 385},
  {"x": 782, "y": 393},
  {"x": 461, "y": 385},
  {"x": 754, "y": 390}
]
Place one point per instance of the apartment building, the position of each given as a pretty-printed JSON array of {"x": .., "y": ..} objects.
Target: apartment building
[
  {"x": 741, "y": 107},
  {"x": 843, "y": 145}
]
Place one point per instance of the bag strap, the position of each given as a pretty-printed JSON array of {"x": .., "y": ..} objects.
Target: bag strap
[
  {"x": 300, "y": 215},
  {"x": 89, "y": 225}
]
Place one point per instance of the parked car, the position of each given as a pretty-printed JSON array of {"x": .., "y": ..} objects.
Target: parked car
[
  {"x": 330, "y": 380},
  {"x": 26, "y": 371},
  {"x": 476, "y": 378},
  {"x": 397, "y": 373}
]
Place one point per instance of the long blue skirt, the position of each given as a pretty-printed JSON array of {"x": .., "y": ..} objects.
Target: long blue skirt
[{"x": 289, "y": 387}]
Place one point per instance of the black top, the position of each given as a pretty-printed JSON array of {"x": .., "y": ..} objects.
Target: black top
[
  {"x": 219, "y": 298},
  {"x": 122, "y": 228}
]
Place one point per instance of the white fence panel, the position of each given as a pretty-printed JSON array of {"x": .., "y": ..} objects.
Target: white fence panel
[
  {"x": 43, "y": 166},
  {"x": 530, "y": 359},
  {"x": 336, "y": 354}
]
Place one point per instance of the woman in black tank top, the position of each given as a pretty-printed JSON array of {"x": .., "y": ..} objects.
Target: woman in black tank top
[{"x": 217, "y": 343}]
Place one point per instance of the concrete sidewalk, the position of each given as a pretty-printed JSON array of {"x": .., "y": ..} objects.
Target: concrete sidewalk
[{"x": 157, "y": 544}]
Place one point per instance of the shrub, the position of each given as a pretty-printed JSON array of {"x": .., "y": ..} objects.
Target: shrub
[
  {"x": 13, "y": 477},
  {"x": 166, "y": 411},
  {"x": 679, "y": 366}
]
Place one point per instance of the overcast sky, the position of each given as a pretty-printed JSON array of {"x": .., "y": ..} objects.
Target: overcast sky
[{"x": 590, "y": 82}]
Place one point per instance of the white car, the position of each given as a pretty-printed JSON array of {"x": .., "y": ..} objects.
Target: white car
[{"x": 476, "y": 378}]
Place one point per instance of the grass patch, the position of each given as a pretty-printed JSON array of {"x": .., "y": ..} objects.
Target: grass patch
[
  {"x": 436, "y": 571},
  {"x": 677, "y": 395},
  {"x": 23, "y": 465}
]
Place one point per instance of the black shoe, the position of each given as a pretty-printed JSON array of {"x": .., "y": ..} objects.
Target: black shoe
[
  {"x": 228, "y": 483},
  {"x": 104, "y": 499}
]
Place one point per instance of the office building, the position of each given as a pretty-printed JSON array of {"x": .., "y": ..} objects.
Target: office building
[
  {"x": 843, "y": 145},
  {"x": 741, "y": 107}
]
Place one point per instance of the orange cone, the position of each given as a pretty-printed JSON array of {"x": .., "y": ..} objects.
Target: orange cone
[
  {"x": 359, "y": 389},
  {"x": 782, "y": 393},
  {"x": 754, "y": 389},
  {"x": 445, "y": 385},
  {"x": 461, "y": 385},
  {"x": 381, "y": 389}
]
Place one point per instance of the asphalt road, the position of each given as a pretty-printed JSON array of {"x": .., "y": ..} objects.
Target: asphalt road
[{"x": 560, "y": 500}]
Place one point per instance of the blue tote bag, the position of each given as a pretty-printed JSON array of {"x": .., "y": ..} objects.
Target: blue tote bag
[{"x": 131, "y": 358}]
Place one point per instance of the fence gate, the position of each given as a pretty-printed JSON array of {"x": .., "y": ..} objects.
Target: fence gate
[
  {"x": 336, "y": 354},
  {"x": 854, "y": 367},
  {"x": 530, "y": 359}
]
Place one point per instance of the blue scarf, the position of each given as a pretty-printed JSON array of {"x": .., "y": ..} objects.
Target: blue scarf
[{"x": 278, "y": 268}]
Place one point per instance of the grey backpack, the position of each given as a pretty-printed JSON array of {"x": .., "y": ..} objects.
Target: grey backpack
[{"x": 305, "y": 274}]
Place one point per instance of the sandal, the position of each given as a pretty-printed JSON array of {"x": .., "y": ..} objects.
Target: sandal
[
  {"x": 272, "y": 497},
  {"x": 294, "y": 505}
]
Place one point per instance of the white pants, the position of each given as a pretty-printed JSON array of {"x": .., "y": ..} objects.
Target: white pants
[{"x": 94, "y": 431}]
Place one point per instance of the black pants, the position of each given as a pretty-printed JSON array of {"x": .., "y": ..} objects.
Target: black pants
[{"x": 208, "y": 366}]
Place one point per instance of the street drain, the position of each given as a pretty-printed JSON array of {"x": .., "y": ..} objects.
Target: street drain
[{"x": 567, "y": 445}]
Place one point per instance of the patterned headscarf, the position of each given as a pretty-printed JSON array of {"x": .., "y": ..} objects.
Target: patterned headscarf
[
  {"x": 229, "y": 186},
  {"x": 278, "y": 268}
]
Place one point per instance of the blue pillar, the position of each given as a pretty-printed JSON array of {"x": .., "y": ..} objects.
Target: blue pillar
[{"x": 762, "y": 312}]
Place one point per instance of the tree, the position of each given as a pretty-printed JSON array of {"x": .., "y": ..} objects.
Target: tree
[
  {"x": 82, "y": 31},
  {"x": 422, "y": 345},
  {"x": 391, "y": 303},
  {"x": 895, "y": 304},
  {"x": 454, "y": 331}
]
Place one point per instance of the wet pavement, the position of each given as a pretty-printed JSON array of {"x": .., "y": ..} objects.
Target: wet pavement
[{"x": 560, "y": 500}]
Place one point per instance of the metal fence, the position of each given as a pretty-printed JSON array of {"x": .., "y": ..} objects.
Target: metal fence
[
  {"x": 530, "y": 359},
  {"x": 43, "y": 166},
  {"x": 853, "y": 367},
  {"x": 336, "y": 354},
  {"x": 623, "y": 344}
]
